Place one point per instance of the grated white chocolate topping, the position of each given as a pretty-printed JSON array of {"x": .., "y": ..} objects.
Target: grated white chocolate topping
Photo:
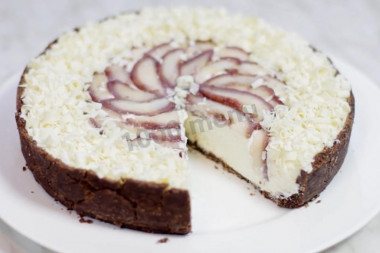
[{"x": 57, "y": 106}]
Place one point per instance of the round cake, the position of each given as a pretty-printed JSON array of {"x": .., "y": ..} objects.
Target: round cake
[{"x": 107, "y": 111}]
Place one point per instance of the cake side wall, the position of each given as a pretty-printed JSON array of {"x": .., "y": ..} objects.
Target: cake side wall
[
  {"x": 325, "y": 166},
  {"x": 145, "y": 206},
  {"x": 134, "y": 204}
]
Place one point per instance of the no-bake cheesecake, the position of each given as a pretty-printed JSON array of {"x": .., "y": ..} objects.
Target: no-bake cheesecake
[{"x": 106, "y": 112}]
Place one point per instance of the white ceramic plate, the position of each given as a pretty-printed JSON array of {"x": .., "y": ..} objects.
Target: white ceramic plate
[{"x": 225, "y": 215}]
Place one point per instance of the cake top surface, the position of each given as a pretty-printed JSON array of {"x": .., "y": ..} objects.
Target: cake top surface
[{"x": 57, "y": 106}]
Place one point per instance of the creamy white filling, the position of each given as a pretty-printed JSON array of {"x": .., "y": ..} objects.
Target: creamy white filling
[
  {"x": 232, "y": 146},
  {"x": 57, "y": 111},
  {"x": 228, "y": 143}
]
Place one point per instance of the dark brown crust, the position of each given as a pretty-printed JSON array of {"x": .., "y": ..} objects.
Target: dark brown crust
[
  {"x": 145, "y": 206},
  {"x": 325, "y": 166}
]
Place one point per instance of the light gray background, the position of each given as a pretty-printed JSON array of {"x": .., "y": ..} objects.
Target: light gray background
[{"x": 349, "y": 29}]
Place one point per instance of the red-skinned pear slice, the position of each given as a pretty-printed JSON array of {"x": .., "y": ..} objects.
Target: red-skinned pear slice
[
  {"x": 229, "y": 79},
  {"x": 98, "y": 88},
  {"x": 278, "y": 86},
  {"x": 202, "y": 106},
  {"x": 123, "y": 91},
  {"x": 169, "y": 68},
  {"x": 149, "y": 108},
  {"x": 239, "y": 100},
  {"x": 192, "y": 65},
  {"x": 234, "y": 52},
  {"x": 99, "y": 121},
  {"x": 115, "y": 72},
  {"x": 276, "y": 101},
  {"x": 169, "y": 135},
  {"x": 161, "y": 121},
  {"x": 250, "y": 81},
  {"x": 205, "y": 108},
  {"x": 216, "y": 67},
  {"x": 251, "y": 68},
  {"x": 145, "y": 75},
  {"x": 199, "y": 47},
  {"x": 259, "y": 143},
  {"x": 160, "y": 50},
  {"x": 263, "y": 91}
]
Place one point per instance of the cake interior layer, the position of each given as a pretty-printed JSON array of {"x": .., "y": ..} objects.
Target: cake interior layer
[
  {"x": 225, "y": 143},
  {"x": 232, "y": 147}
]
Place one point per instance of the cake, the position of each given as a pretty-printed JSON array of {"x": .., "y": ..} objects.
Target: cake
[{"x": 106, "y": 113}]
